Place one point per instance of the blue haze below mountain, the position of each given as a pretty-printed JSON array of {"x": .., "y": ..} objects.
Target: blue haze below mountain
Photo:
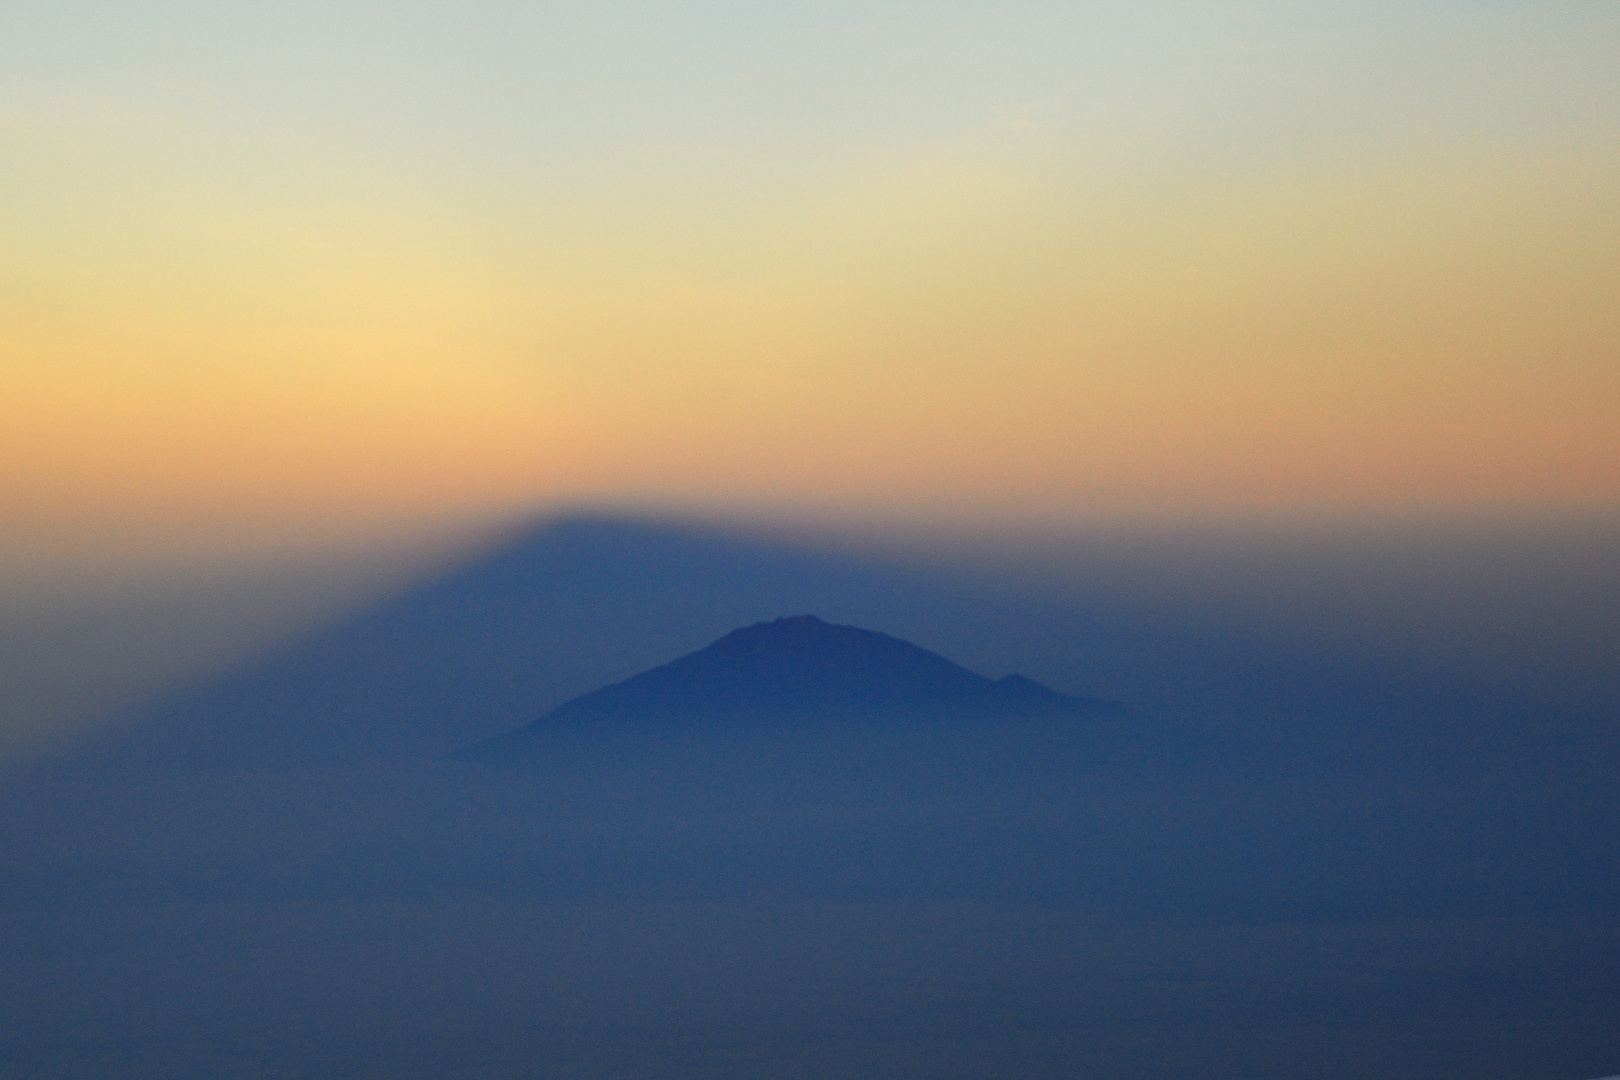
[{"x": 584, "y": 807}]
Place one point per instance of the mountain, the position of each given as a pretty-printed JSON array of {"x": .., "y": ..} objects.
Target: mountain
[{"x": 800, "y": 668}]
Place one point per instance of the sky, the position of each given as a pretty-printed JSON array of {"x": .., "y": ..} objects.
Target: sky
[{"x": 269, "y": 272}]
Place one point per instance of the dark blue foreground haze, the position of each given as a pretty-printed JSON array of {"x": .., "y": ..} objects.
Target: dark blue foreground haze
[{"x": 589, "y": 807}]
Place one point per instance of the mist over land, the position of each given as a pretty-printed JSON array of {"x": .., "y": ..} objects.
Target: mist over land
[
  {"x": 1195, "y": 614},
  {"x": 1371, "y": 834}
]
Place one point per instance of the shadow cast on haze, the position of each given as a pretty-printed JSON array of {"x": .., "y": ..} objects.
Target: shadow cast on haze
[{"x": 589, "y": 805}]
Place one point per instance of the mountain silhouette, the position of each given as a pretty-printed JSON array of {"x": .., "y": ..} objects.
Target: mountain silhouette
[{"x": 802, "y": 667}]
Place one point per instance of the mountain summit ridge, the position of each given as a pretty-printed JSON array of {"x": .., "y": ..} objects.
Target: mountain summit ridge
[{"x": 798, "y": 667}]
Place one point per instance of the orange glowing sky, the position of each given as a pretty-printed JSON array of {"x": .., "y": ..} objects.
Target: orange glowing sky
[{"x": 358, "y": 263}]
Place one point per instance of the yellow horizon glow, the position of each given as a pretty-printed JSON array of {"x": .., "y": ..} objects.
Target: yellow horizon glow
[{"x": 1011, "y": 322}]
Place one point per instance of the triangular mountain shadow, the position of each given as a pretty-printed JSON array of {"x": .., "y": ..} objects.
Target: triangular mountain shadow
[
  {"x": 538, "y": 619},
  {"x": 488, "y": 645},
  {"x": 796, "y": 669}
]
